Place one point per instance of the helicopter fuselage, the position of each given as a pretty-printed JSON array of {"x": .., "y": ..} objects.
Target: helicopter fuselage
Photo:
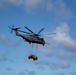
[{"x": 31, "y": 38}]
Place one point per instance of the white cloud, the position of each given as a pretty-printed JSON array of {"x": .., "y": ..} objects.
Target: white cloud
[
  {"x": 66, "y": 55},
  {"x": 73, "y": 73},
  {"x": 29, "y": 5},
  {"x": 3, "y": 58},
  {"x": 41, "y": 67},
  {"x": 5, "y": 41},
  {"x": 60, "y": 64},
  {"x": 4, "y": 4},
  {"x": 21, "y": 73},
  {"x": 26, "y": 73},
  {"x": 52, "y": 65},
  {"x": 9, "y": 69},
  {"x": 32, "y": 5},
  {"x": 63, "y": 37},
  {"x": 39, "y": 62},
  {"x": 59, "y": 9},
  {"x": 16, "y": 2},
  {"x": 47, "y": 50},
  {"x": 57, "y": 73},
  {"x": 31, "y": 73},
  {"x": 64, "y": 43}
]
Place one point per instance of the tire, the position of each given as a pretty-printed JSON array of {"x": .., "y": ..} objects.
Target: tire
[
  {"x": 34, "y": 59},
  {"x": 28, "y": 57}
]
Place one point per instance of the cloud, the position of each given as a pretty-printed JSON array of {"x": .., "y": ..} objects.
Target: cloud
[
  {"x": 26, "y": 73},
  {"x": 52, "y": 65},
  {"x": 72, "y": 73},
  {"x": 3, "y": 58},
  {"x": 47, "y": 50},
  {"x": 39, "y": 62},
  {"x": 32, "y": 5},
  {"x": 63, "y": 37},
  {"x": 57, "y": 73},
  {"x": 9, "y": 69},
  {"x": 41, "y": 67},
  {"x": 29, "y": 5},
  {"x": 60, "y": 64},
  {"x": 21, "y": 73},
  {"x": 59, "y": 9},
  {"x": 5, "y": 41},
  {"x": 4, "y": 4},
  {"x": 16, "y": 2},
  {"x": 42, "y": 63},
  {"x": 31, "y": 73},
  {"x": 66, "y": 55}
]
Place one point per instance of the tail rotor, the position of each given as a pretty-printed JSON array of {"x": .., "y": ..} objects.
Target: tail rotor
[{"x": 13, "y": 28}]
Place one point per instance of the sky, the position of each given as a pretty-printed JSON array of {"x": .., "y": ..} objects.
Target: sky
[{"x": 56, "y": 16}]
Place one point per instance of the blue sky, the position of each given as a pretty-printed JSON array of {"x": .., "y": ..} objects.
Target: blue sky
[{"x": 57, "y": 58}]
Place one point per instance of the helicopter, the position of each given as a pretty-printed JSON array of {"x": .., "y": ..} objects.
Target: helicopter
[{"x": 30, "y": 36}]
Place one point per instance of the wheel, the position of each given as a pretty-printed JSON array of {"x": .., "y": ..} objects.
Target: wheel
[
  {"x": 28, "y": 57},
  {"x": 34, "y": 59}
]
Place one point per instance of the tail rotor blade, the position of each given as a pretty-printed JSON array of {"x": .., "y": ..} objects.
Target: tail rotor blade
[
  {"x": 11, "y": 30},
  {"x": 9, "y": 27}
]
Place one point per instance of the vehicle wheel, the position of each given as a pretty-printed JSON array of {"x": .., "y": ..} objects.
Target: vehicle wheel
[
  {"x": 28, "y": 57},
  {"x": 34, "y": 59}
]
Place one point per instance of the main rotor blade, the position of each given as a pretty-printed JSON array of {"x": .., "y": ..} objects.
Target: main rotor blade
[
  {"x": 41, "y": 30},
  {"x": 9, "y": 27},
  {"x": 48, "y": 33},
  {"x": 17, "y": 28},
  {"x": 11, "y": 31},
  {"x": 29, "y": 30},
  {"x": 13, "y": 26},
  {"x": 23, "y": 31}
]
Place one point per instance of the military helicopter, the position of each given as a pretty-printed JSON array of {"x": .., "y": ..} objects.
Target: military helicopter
[{"x": 30, "y": 36}]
